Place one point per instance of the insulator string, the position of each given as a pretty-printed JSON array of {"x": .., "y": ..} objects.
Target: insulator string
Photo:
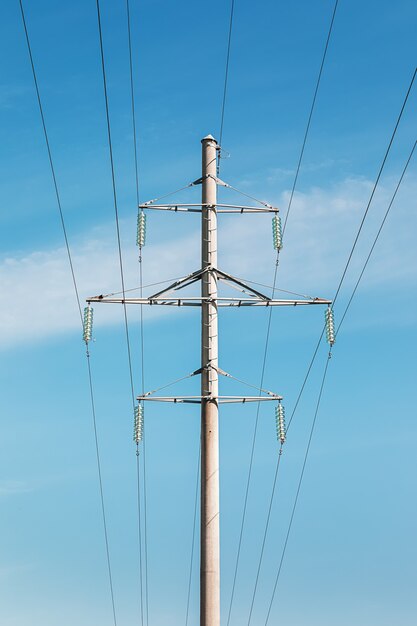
[
  {"x": 329, "y": 323},
  {"x": 277, "y": 232},
  {"x": 88, "y": 324},
  {"x": 280, "y": 423},
  {"x": 141, "y": 230}
]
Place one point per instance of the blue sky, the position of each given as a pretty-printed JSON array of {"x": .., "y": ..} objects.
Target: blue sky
[{"x": 351, "y": 554}]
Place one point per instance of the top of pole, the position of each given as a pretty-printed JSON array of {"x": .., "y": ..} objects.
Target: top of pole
[{"x": 209, "y": 138}]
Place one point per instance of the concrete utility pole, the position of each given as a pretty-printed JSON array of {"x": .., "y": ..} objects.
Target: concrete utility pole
[
  {"x": 209, "y": 301},
  {"x": 210, "y": 527}
]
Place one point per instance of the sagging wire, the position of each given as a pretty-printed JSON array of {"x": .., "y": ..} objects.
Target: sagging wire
[
  {"x": 85, "y": 330},
  {"x": 278, "y": 249},
  {"x": 376, "y": 239},
  {"x": 299, "y": 485},
  {"x": 332, "y": 336},
  {"x": 193, "y": 535},
  {"x": 245, "y": 503},
  {"x": 139, "y": 424},
  {"x": 226, "y": 76},
  {"x": 310, "y": 116}
]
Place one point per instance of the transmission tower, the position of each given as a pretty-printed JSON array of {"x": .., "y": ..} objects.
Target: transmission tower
[{"x": 209, "y": 275}]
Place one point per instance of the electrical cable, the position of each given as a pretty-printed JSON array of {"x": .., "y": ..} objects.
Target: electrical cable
[
  {"x": 273, "y": 291},
  {"x": 245, "y": 503},
  {"x": 376, "y": 238},
  {"x": 116, "y": 211},
  {"x": 91, "y": 389},
  {"x": 226, "y": 76},
  {"x": 299, "y": 483},
  {"x": 193, "y": 535},
  {"x": 48, "y": 147},
  {"x": 318, "y": 344},
  {"x": 375, "y": 185},
  {"x": 356, "y": 240},
  {"x": 138, "y": 475},
  {"x": 103, "y": 511},
  {"x": 353, "y": 293},
  {"x": 310, "y": 116},
  {"x": 145, "y": 500},
  {"x": 264, "y": 537}
]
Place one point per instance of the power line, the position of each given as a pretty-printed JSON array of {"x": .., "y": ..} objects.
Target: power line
[
  {"x": 310, "y": 116},
  {"x": 376, "y": 238},
  {"x": 129, "y": 356},
  {"x": 309, "y": 370},
  {"x": 270, "y": 311},
  {"x": 136, "y": 165},
  {"x": 347, "y": 307},
  {"x": 51, "y": 163},
  {"x": 255, "y": 430},
  {"x": 226, "y": 76},
  {"x": 375, "y": 184},
  {"x": 264, "y": 537},
  {"x": 91, "y": 389},
  {"x": 299, "y": 484},
  {"x": 357, "y": 237},
  {"x": 132, "y": 101},
  {"x": 193, "y": 535},
  {"x": 103, "y": 511}
]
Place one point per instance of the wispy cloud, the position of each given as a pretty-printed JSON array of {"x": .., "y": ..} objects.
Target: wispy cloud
[
  {"x": 13, "y": 487},
  {"x": 40, "y": 298}
]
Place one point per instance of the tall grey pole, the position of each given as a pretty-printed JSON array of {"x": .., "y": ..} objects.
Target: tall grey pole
[{"x": 210, "y": 529}]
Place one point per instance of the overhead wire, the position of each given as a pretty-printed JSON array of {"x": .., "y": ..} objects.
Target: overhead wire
[
  {"x": 376, "y": 238},
  {"x": 310, "y": 116},
  {"x": 349, "y": 259},
  {"x": 376, "y": 184},
  {"x": 271, "y": 309},
  {"x": 51, "y": 163},
  {"x": 226, "y": 76},
  {"x": 299, "y": 484},
  {"x": 193, "y": 536},
  {"x": 252, "y": 451},
  {"x": 142, "y": 358},
  {"x": 115, "y": 203},
  {"x": 91, "y": 388},
  {"x": 268, "y": 517},
  {"x": 344, "y": 314}
]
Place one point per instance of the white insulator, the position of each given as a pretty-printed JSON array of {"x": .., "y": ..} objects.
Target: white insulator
[
  {"x": 330, "y": 334},
  {"x": 141, "y": 231},
  {"x": 138, "y": 424},
  {"x": 280, "y": 422},
  {"x": 88, "y": 324},
  {"x": 277, "y": 232}
]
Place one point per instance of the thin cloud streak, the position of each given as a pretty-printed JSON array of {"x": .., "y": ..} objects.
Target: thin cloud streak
[{"x": 40, "y": 301}]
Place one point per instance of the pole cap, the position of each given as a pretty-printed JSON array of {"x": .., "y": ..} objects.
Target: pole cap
[{"x": 209, "y": 138}]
